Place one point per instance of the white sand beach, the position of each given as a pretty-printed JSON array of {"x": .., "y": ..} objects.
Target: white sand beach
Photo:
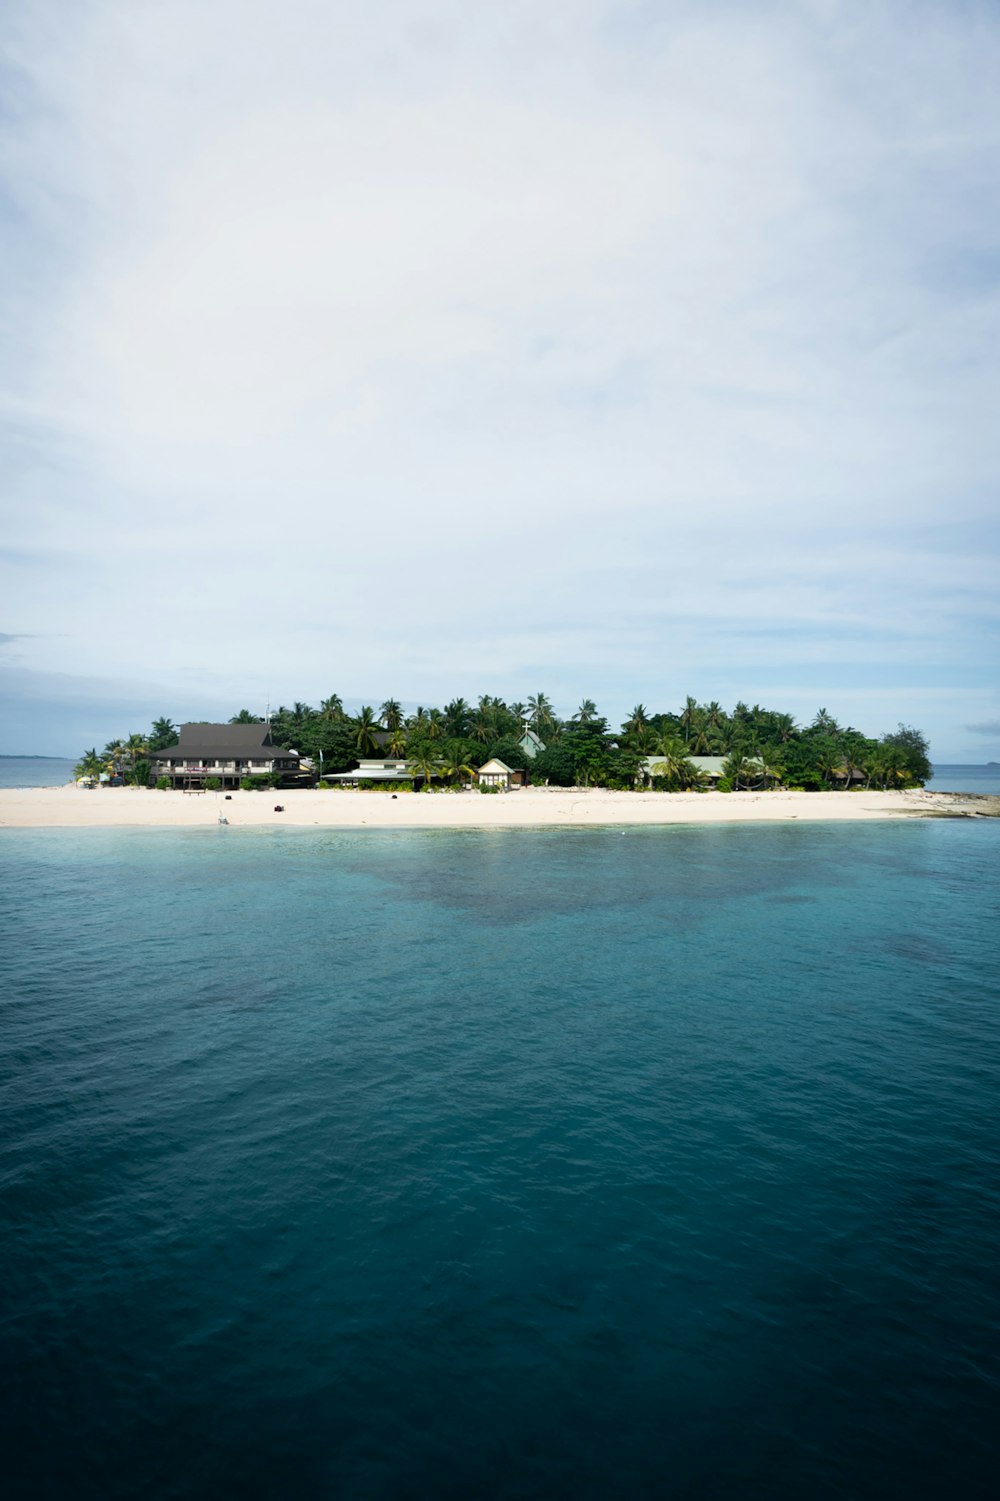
[{"x": 128, "y": 807}]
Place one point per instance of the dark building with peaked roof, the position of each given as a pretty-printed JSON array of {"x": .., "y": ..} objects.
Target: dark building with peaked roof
[{"x": 226, "y": 751}]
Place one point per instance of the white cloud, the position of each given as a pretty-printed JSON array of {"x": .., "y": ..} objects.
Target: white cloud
[{"x": 432, "y": 340}]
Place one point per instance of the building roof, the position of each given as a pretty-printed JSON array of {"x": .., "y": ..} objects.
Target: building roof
[
  {"x": 224, "y": 742},
  {"x": 374, "y": 770},
  {"x": 710, "y": 765},
  {"x": 495, "y": 765},
  {"x": 531, "y": 744}
]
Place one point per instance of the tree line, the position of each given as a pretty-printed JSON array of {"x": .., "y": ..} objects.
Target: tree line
[{"x": 761, "y": 747}]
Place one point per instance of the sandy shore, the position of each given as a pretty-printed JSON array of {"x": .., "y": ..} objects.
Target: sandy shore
[{"x": 128, "y": 807}]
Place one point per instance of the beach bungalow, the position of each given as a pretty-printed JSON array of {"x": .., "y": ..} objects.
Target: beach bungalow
[
  {"x": 226, "y": 751},
  {"x": 709, "y": 766},
  {"x": 496, "y": 773}
]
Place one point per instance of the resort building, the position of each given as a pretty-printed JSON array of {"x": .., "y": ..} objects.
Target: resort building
[
  {"x": 226, "y": 751},
  {"x": 709, "y": 766},
  {"x": 372, "y": 770}
]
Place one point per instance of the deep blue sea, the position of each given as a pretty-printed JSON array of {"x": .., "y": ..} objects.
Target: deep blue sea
[
  {"x": 35, "y": 771},
  {"x": 966, "y": 778},
  {"x": 571, "y": 1164}
]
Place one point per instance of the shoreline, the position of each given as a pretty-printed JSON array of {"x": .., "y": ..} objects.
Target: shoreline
[{"x": 533, "y": 807}]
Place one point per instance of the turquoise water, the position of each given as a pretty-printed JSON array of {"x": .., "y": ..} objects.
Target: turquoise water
[{"x": 519, "y": 1164}]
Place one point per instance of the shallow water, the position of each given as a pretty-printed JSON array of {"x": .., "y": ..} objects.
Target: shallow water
[{"x": 506, "y": 1164}]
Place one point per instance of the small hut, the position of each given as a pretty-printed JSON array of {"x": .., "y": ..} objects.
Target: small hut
[{"x": 497, "y": 773}]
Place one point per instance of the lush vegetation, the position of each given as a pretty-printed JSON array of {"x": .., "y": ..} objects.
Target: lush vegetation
[{"x": 761, "y": 747}]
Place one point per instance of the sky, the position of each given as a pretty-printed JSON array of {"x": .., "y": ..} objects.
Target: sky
[{"x": 604, "y": 348}]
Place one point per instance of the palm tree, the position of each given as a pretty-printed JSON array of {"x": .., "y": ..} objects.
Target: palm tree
[
  {"x": 586, "y": 713},
  {"x": 365, "y": 726},
  {"x": 243, "y": 717},
  {"x": 675, "y": 766},
  {"x": 825, "y": 723},
  {"x": 435, "y": 724},
  {"x": 90, "y": 765},
  {"x": 396, "y": 744},
  {"x": 827, "y": 758},
  {"x": 136, "y": 749},
  {"x": 637, "y": 723},
  {"x": 736, "y": 768},
  {"x": 452, "y": 765},
  {"x": 115, "y": 756},
  {"x": 163, "y": 733},
  {"x": 332, "y": 709},
  {"x": 771, "y": 763},
  {"x": 423, "y": 767},
  {"x": 483, "y": 725},
  {"x": 541, "y": 715},
  {"x": 644, "y": 741},
  {"x": 457, "y": 716},
  {"x": 391, "y": 714},
  {"x": 688, "y": 717}
]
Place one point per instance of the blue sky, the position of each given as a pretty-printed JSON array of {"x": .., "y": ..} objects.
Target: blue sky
[{"x": 608, "y": 349}]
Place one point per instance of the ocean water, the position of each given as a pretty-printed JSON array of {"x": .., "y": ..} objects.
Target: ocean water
[
  {"x": 966, "y": 778},
  {"x": 512, "y": 1164},
  {"x": 35, "y": 771}
]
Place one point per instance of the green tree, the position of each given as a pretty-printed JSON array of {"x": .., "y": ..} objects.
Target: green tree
[
  {"x": 771, "y": 763},
  {"x": 425, "y": 767},
  {"x": 452, "y": 765},
  {"x": 508, "y": 750},
  {"x": 541, "y": 715},
  {"x": 457, "y": 718},
  {"x": 391, "y": 714},
  {"x": 825, "y": 724},
  {"x": 689, "y": 718},
  {"x": 163, "y": 733},
  {"x": 332, "y": 709},
  {"x": 365, "y": 727},
  {"x": 736, "y": 769},
  {"x": 554, "y": 765},
  {"x": 115, "y": 758},
  {"x": 915, "y": 751},
  {"x": 90, "y": 765},
  {"x": 674, "y": 766},
  {"x": 243, "y": 717},
  {"x": 637, "y": 723},
  {"x": 136, "y": 764}
]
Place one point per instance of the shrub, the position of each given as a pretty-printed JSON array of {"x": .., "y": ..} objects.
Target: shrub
[
  {"x": 488, "y": 790},
  {"x": 723, "y": 785},
  {"x": 163, "y": 784},
  {"x": 213, "y": 784},
  {"x": 246, "y": 784}
]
